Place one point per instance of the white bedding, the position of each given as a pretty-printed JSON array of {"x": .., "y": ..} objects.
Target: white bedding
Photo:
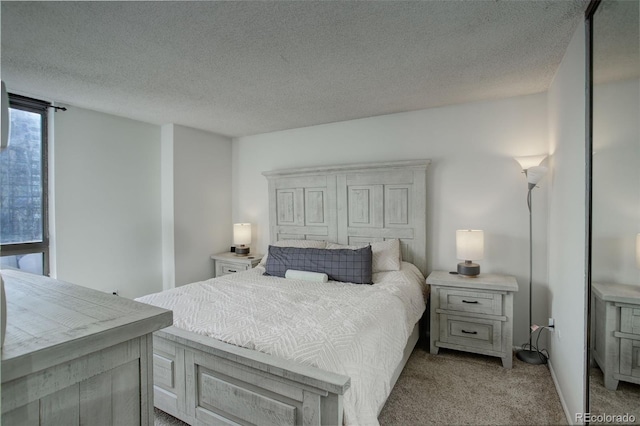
[{"x": 356, "y": 330}]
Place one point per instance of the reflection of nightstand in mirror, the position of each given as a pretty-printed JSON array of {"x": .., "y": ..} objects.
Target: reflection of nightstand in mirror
[
  {"x": 230, "y": 263},
  {"x": 615, "y": 332}
]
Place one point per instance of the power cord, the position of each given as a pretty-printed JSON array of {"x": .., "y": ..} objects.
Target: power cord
[{"x": 543, "y": 354}]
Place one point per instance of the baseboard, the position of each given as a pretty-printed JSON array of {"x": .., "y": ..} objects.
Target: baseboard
[{"x": 570, "y": 420}]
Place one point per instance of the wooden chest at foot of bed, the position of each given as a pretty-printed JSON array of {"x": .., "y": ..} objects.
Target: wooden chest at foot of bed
[{"x": 201, "y": 380}]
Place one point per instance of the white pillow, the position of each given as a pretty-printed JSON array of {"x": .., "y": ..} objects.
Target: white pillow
[
  {"x": 386, "y": 254},
  {"x": 306, "y": 276},
  {"x": 295, "y": 243}
]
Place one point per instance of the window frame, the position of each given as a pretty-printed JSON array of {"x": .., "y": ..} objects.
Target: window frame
[{"x": 39, "y": 107}]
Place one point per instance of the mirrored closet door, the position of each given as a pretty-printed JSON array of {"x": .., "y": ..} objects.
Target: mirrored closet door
[{"x": 614, "y": 309}]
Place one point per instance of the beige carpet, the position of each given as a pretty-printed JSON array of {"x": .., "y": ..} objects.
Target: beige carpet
[{"x": 460, "y": 388}]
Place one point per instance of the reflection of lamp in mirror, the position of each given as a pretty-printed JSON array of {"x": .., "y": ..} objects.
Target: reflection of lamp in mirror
[
  {"x": 242, "y": 238},
  {"x": 534, "y": 172},
  {"x": 469, "y": 246}
]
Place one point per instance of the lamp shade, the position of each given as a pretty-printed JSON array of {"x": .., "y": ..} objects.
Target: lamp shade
[
  {"x": 638, "y": 250},
  {"x": 469, "y": 244},
  {"x": 241, "y": 234},
  {"x": 530, "y": 161},
  {"x": 535, "y": 174}
]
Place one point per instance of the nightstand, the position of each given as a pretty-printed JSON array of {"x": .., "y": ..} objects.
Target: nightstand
[
  {"x": 615, "y": 332},
  {"x": 473, "y": 314},
  {"x": 230, "y": 263}
]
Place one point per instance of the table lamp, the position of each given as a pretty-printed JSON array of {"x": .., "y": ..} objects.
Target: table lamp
[
  {"x": 469, "y": 247},
  {"x": 242, "y": 238}
]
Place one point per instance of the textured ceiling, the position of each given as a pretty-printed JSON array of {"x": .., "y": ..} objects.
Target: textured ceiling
[{"x": 242, "y": 68}]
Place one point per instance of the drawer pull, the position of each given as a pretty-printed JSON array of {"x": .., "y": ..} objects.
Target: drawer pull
[
  {"x": 232, "y": 270},
  {"x": 469, "y": 332},
  {"x": 469, "y": 301}
]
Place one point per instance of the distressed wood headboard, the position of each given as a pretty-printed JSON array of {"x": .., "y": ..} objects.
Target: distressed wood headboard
[{"x": 351, "y": 204}]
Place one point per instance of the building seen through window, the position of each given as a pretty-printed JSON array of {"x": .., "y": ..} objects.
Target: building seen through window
[{"x": 23, "y": 188}]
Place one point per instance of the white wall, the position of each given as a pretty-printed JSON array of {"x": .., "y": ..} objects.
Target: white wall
[
  {"x": 616, "y": 182},
  {"x": 137, "y": 207},
  {"x": 473, "y": 181},
  {"x": 567, "y": 224},
  {"x": 200, "y": 164},
  {"x": 107, "y": 202}
]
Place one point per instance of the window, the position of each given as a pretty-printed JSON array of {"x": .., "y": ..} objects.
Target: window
[{"x": 23, "y": 188}]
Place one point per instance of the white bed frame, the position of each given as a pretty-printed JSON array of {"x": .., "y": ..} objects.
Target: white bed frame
[{"x": 201, "y": 380}]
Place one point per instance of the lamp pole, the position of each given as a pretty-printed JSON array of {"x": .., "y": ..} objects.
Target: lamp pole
[{"x": 531, "y": 356}]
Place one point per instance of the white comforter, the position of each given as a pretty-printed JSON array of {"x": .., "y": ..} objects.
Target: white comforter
[{"x": 356, "y": 330}]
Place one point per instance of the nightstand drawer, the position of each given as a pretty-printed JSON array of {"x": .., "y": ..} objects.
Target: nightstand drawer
[
  {"x": 224, "y": 268},
  {"x": 630, "y": 320},
  {"x": 229, "y": 263},
  {"x": 471, "y": 333},
  {"x": 471, "y": 301}
]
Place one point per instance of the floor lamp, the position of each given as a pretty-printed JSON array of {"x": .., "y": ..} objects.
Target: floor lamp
[{"x": 534, "y": 172}]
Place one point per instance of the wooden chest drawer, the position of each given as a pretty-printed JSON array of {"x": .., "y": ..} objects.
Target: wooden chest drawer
[
  {"x": 225, "y": 268},
  {"x": 630, "y": 319},
  {"x": 473, "y": 333},
  {"x": 479, "y": 302}
]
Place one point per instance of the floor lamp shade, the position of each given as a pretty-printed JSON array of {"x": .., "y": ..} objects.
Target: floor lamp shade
[
  {"x": 532, "y": 168},
  {"x": 469, "y": 247},
  {"x": 530, "y": 161},
  {"x": 535, "y": 174},
  {"x": 242, "y": 237}
]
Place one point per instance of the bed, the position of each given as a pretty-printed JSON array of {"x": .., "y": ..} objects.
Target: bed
[{"x": 215, "y": 365}]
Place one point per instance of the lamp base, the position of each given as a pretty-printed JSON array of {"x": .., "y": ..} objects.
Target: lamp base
[
  {"x": 468, "y": 269},
  {"x": 242, "y": 250},
  {"x": 531, "y": 357}
]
